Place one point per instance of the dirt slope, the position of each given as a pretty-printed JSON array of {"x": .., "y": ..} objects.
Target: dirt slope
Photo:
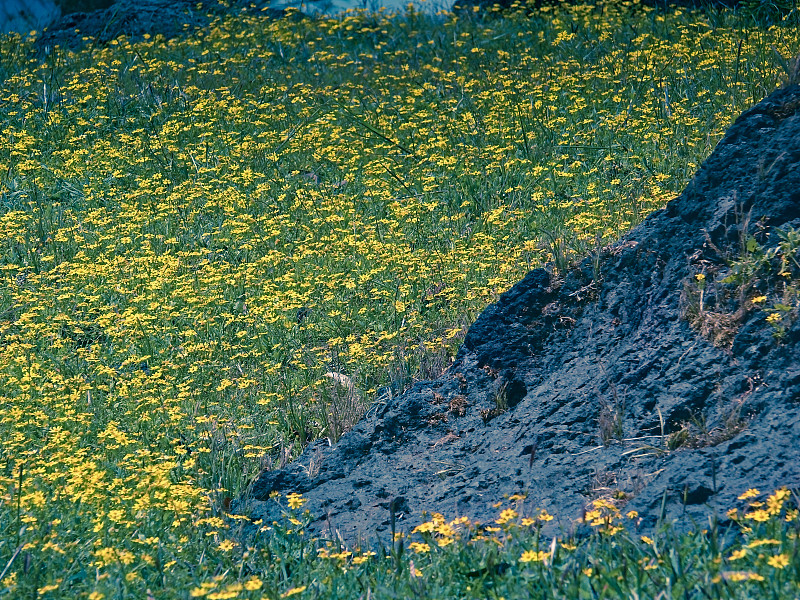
[{"x": 618, "y": 348}]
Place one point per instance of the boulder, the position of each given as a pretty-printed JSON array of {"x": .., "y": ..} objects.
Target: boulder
[
  {"x": 135, "y": 18},
  {"x": 23, "y": 16}
]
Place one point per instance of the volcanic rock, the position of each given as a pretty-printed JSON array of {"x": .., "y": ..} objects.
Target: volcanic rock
[
  {"x": 622, "y": 379},
  {"x": 22, "y": 16},
  {"x": 135, "y": 18}
]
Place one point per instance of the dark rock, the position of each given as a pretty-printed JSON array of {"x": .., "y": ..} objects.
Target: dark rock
[
  {"x": 24, "y": 15},
  {"x": 567, "y": 351},
  {"x": 135, "y": 18}
]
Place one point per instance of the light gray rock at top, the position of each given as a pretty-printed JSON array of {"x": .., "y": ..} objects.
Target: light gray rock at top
[
  {"x": 23, "y": 16},
  {"x": 337, "y": 7}
]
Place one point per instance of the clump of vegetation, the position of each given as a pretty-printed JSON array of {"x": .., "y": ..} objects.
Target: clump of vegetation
[
  {"x": 611, "y": 417},
  {"x": 602, "y": 555},
  {"x": 194, "y": 232},
  {"x": 762, "y": 276}
]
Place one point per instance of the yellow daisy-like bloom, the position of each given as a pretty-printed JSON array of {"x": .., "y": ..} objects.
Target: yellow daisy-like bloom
[
  {"x": 751, "y": 493},
  {"x": 764, "y": 542},
  {"x": 420, "y": 547},
  {"x": 295, "y": 500},
  {"x": 779, "y": 561},
  {"x": 252, "y": 584},
  {"x": 426, "y": 527},
  {"x": 507, "y": 515},
  {"x": 445, "y": 530},
  {"x": 776, "y": 500},
  {"x": 293, "y": 591},
  {"x": 760, "y": 515},
  {"x": 444, "y": 541},
  {"x": 738, "y": 554},
  {"x": 545, "y": 516},
  {"x": 533, "y": 556}
]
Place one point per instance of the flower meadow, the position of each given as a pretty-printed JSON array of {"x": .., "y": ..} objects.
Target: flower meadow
[{"x": 217, "y": 248}]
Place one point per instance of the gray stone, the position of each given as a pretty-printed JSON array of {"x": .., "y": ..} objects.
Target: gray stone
[{"x": 23, "y": 16}]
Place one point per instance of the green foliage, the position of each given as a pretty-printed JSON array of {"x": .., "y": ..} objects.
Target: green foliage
[
  {"x": 757, "y": 276},
  {"x": 198, "y": 236}
]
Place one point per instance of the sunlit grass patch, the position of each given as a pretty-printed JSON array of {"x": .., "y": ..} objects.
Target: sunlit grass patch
[
  {"x": 750, "y": 552},
  {"x": 195, "y": 235}
]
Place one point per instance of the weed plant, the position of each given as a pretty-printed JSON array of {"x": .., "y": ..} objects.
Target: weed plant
[{"x": 199, "y": 236}]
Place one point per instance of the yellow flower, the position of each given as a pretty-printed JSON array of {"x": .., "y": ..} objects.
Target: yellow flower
[
  {"x": 506, "y": 516},
  {"x": 444, "y": 541},
  {"x": 779, "y": 561},
  {"x": 47, "y": 588},
  {"x": 760, "y": 515},
  {"x": 445, "y": 529},
  {"x": 533, "y": 556},
  {"x": 252, "y": 584},
  {"x": 420, "y": 547},
  {"x": 293, "y": 591},
  {"x": 751, "y": 493},
  {"x": 295, "y": 500},
  {"x": 544, "y": 516},
  {"x": 776, "y": 500},
  {"x": 764, "y": 542},
  {"x": 738, "y": 554},
  {"x": 426, "y": 527}
]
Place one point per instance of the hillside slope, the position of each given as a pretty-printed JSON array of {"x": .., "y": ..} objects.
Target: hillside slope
[{"x": 640, "y": 376}]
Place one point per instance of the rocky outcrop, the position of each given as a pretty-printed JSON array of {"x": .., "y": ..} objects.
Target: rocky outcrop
[
  {"x": 649, "y": 375},
  {"x": 23, "y": 16},
  {"x": 135, "y": 18}
]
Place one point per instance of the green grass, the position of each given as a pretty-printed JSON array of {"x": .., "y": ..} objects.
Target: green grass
[
  {"x": 199, "y": 238},
  {"x": 507, "y": 558}
]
